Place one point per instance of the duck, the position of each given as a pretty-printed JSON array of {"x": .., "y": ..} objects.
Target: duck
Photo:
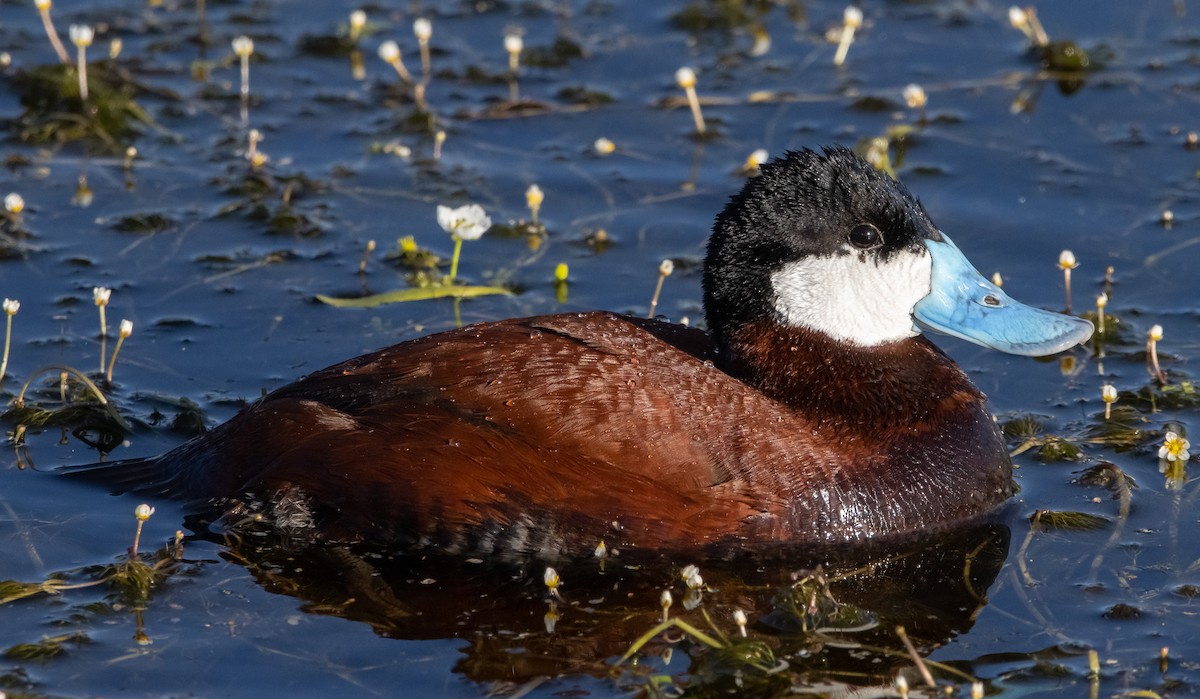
[{"x": 812, "y": 412}]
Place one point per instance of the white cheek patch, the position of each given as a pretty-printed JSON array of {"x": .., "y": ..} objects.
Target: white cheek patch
[{"x": 852, "y": 299}]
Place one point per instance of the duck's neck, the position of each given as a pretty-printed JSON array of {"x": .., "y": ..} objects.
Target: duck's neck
[{"x": 895, "y": 383}]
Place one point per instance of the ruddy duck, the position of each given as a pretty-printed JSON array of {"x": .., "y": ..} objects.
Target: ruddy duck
[{"x": 812, "y": 412}]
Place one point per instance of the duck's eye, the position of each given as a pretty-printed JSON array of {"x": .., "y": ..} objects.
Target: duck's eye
[{"x": 865, "y": 236}]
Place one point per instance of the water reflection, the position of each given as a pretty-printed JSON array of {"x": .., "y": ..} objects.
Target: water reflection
[{"x": 827, "y": 616}]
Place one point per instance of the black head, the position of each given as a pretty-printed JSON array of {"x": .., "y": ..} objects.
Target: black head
[{"x": 822, "y": 241}]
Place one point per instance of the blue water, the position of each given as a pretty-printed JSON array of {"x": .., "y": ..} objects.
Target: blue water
[{"x": 222, "y": 307}]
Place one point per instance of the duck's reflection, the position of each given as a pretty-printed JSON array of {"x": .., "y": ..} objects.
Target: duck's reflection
[{"x": 827, "y": 615}]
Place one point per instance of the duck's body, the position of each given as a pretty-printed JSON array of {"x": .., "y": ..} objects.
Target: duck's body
[{"x": 551, "y": 434}]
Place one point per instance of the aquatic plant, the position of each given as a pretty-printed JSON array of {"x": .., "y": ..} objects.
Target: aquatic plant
[
  {"x": 852, "y": 19},
  {"x": 665, "y": 269},
  {"x": 126, "y": 329},
  {"x": 468, "y": 222},
  {"x": 389, "y": 51},
  {"x": 1066, "y": 262},
  {"x": 686, "y": 78},
  {"x": 1153, "y": 336},
  {"x": 82, "y": 35},
  {"x": 43, "y": 8}
]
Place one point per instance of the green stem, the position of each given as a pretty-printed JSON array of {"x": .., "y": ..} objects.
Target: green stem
[
  {"x": 20, "y": 399},
  {"x": 7, "y": 340},
  {"x": 113, "y": 362},
  {"x": 454, "y": 259}
]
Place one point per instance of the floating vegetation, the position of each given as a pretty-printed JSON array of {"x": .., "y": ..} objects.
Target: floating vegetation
[
  {"x": 273, "y": 201},
  {"x": 1124, "y": 429},
  {"x": 46, "y": 648},
  {"x": 1177, "y": 396},
  {"x": 464, "y": 223},
  {"x": 557, "y": 55},
  {"x": 54, "y": 111},
  {"x": 148, "y": 223},
  {"x": 723, "y": 16},
  {"x": 1072, "y": 521}
]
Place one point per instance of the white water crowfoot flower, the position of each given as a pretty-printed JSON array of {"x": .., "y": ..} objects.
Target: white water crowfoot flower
[
  {"x": 550, "y": 577},
  {"x": 1153, "y": 336},
  {"x": 14, "y": 203},
  {"x": 82, "y": 36},
  {"x": 358, "y": 20},
  {"x": 514, "y": 44},
  {"x": 142, "y": 513},
  {"x": 1175, "y": 448},
  {"x": 665, "y": 268},
  {"x": 125, "y": 331},
  {"x": 686, "y": 78},
  {"x": 1066, "y": 262},
  {"x": 468, "y": 222},
  {"x": 1173, "y": 456},
  {"x": 100, "y": 296},
  {"x": 389, "y": 51},
  {"x": 423, "y": 30},
  {"x": 852, "y": 19},
  {"x": 1108, "y": 393},
  {"x": 11, "y": 306},
  {"x": 534, "y": 196}
]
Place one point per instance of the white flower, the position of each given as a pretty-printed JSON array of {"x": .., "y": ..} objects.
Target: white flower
[
  {"x": 534, "y": 196},
  {"x": 14, "y": 203},
  {"x": 915, "y": 97},
  {"x": 691, "y": 577},
  {"x": 468, "y": 222},
  {"x": 665, "y": 268},
  {"x": 143, "y": 512},
  {"x": 11, "y": 306},
  {"x": 243, "y": 46},
  {"x": 82, "y": 35},
  {"x": 1156, "y": 332},
  {"x": 41, "y": 5},
  {"x": 685, "y": 77},
  {"x": 389, "y": 51},
  {"x": 513, "y": 43},
  {"x": 604, "y": 146},
  {"x": 1174, "y": 448},
  {"x": 1108, "y": 392},
  {"x": 1102, "y": 300},
  {"x": 100, "y": 295},
  {"x": 852, "y": 17},
  {"x": 1017, "y": 17},
  {"x": 358, "y": 20},
  {"x": 423, "y": 29},
  {"x": 757, "y": 158},
  {"x": 665, "y": 599},
  {"x": 550, "y": 577},
  {"x": 126, "y": 328},
  {"x": 1066, "y": 260}
]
